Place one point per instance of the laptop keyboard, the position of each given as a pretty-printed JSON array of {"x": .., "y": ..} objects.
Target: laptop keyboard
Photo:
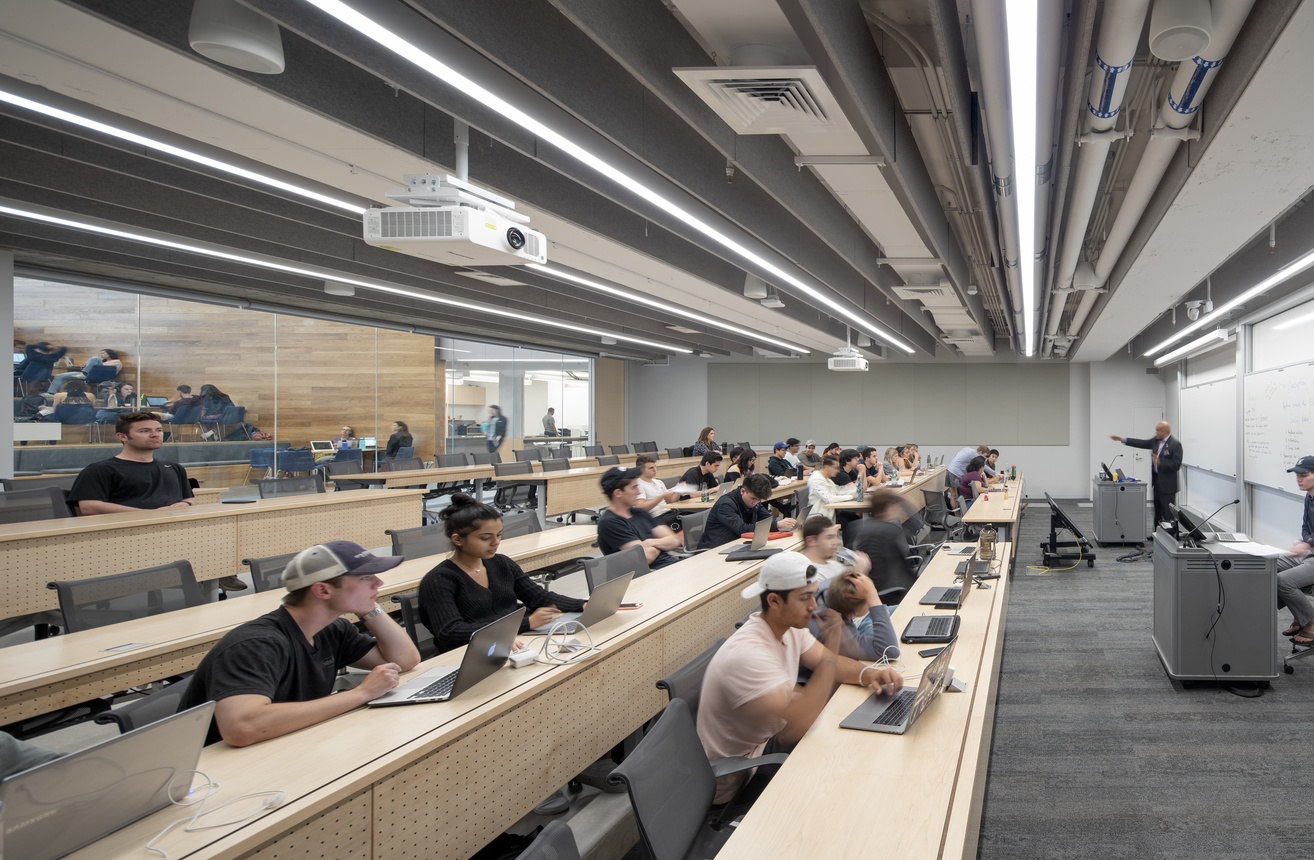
[
  {"x": 441, "y": 687},
  {"x": 951, "y": 595},
  {"x": 897, "y": 712},
  {"x": 941, "y": 625}
]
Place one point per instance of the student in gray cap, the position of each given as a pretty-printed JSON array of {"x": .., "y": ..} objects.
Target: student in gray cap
[
  {"x": 1296, "y": 571},
  {"x": 274, "y": 674}
]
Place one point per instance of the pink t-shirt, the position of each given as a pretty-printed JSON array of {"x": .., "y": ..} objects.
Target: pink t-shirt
[{"x": 749, "y": 665}]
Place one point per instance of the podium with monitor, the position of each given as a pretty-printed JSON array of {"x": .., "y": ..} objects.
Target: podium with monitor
[
  {"x": 1119, "y": 510},
  {"x": 1215, "y": 612}
]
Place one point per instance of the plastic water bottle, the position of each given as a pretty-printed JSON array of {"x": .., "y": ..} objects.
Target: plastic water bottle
[{"x": 861, "y": 481}]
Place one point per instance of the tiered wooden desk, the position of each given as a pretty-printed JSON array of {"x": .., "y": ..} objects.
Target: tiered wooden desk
[
  {"x": 441, "y": 780},
  {"x": 695, "y": 503},
  {"x": 418, "y": 477},
  {"x": 1002, "y": 513},
  {"x": 214, "y": 537},
  {"x": 927, "y": 786},
  {"x": 911, "y": 491},
  {"x": 39, "y": 677},
  {"x": 575, "y": 489}
]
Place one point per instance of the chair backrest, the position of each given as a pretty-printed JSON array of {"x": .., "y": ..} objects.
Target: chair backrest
[
  {"x": 449, "y": 461},
  {"x": 608, "y": 567},
  {"x": 523, "y": 467},
  {"x": 267, "y": 572},
  {"x": 619, "y": 449},
  {"x": 645, "y": 447},
  {"x": 344, "y": 467},
  {"x": 686, "y": 682},
  {"x": 146, "y": 710},
  {"x": 592, "y": 450},
  {"x": 555, "y": 464},
  {"x": 419, "y": 541},
  {"x": 101, "y": 373},
  {"x": 410, "y": 611},
  {"x": 38, "y": 503},
  {"x": 233, "y": 415},
  {"x": 187, "y": 414},
  {"x": 405, "y": 464},
  {"x": 674, "y": 453},
  {"x": 609, "y": 460},
  {"x": 935, "y": 507},
  {"x": 489, "y": 458},
  {"x": 528, "y": 455},
  {"x": 692, "y": 527},
  {"x": 554, "y": 842},
  {"x": 515, "y": 525},
  {"x": 405, "y": 452},
  {"x": 670, "y": 783},
  {"x": 295, "y": 460},
  {"x": 102, "y": 600},
  {"x": 349, "y": 455},
  {"x": 802, "y": 498},
  {"x": 302, "y": 485},
  {"x": 75, "y": 413},
  {"x": 261, "y": 458}
]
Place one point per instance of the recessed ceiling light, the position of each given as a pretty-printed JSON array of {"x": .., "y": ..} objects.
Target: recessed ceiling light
[{"x": 683, "y": 329}]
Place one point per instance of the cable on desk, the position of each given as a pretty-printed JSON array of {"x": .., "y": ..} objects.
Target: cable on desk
[{"x": 273, "y": 798}]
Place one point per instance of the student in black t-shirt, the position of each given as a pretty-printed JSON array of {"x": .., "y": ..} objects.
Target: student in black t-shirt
[
  {"x": 622, "y": 525},
  {"x": 273, "y": 675},
  {"x": 132, "y": 480},
  {"x": 703, "y": 476}
]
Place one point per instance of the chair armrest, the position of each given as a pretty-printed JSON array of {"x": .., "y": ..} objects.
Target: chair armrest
[
  {"x": 921, "y": 548},
  {"x": 734, "y": 764}
]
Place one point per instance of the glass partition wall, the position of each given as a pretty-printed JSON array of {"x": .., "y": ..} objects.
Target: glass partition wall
[{"x": 290, "y": 379}]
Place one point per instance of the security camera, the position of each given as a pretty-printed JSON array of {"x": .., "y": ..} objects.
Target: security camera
[{"x": 1193, "y": 309}]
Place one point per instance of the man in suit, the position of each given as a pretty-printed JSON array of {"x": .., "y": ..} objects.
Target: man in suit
[{"x": 1166, "y": 455}]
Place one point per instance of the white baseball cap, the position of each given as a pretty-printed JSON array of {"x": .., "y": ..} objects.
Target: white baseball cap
[{"x": 784, "y": 571}]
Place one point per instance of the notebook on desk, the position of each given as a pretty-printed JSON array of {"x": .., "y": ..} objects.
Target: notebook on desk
[
  {"x": 603, "y": 603},
  {"x": 62, "y": 805},
  {"x": 487, "y": 652},
  {"x": 896, "y": 714}
]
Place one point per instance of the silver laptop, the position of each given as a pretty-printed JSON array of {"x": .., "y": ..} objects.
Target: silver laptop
[
  {"x": 487, "y": 652},
  {"x": 954, "y": 596},
  {"x": 369, "y": 443},
  {"x": 325, "y": 447},
  {"x": 603, "y": 603},
  {"x": 60, "y": 806},
  {"x": 761, "y": 534},
  {"x": 895, "y": 714}
]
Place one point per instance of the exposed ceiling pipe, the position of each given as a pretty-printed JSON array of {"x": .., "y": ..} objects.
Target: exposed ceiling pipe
[
  {"x": 1185, "y": 96},
  {"x": 1049, "y": 45},
  {"x": 1120, "y": 31},
  {"x": 992, "y": 44}
]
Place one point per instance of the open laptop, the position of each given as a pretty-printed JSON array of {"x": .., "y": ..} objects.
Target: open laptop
[
  {"x": 757, "y": 548},
  {"x": 325, "y": 447},
  {"x": 156, "y": 401},
  {"x": 895, "y": 714},
  {"x": 369, "y": 443},
  {"x": 953, "y": 596},
  {"x": 603, "y": 603},
  {"x": 1117, "y": 473},
  {"x": 487, "y": 652},
  {"x": 1108, "y": 473},
  {"x": 58, "y": 807}
]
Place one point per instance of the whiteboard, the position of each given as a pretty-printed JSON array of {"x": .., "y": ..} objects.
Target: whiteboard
[
  {"x": 1279, "y": 424},
  {"x": 1208, "y": 426}
]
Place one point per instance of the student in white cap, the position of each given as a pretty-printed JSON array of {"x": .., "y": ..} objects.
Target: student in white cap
[
  {"x": 273, "y": 675},
  {"x": 750, "y": 693}
]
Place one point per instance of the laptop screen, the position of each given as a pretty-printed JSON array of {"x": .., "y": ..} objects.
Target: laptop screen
[{"x": 369, "y": 442}]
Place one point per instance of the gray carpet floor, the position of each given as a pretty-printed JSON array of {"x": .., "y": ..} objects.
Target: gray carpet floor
[{"x": 1097, "y": 753}]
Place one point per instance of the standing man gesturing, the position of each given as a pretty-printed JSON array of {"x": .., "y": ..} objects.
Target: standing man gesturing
[{"x": 1166, "y": 455}]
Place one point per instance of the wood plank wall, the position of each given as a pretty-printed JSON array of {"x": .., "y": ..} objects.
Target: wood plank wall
[{"x": 319, "y": 375}]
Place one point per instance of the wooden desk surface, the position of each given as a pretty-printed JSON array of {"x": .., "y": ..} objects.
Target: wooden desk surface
[
  {"x": 995, "y": 508},
  {"x": 929, "y": 782},
  {"x": 41, "y": 676},
  {"x": 911, "y": 491},
  {"x": 214, "y": 537},
  {"x": 415, "y": 477},
  {"x": 439, "y": 780},
  {"x": 697, "y": 504}
]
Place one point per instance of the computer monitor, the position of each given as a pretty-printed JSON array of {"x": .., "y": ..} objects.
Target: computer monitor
[
  {"x": 1108, "y": 473},
  {"x": 1190, "y": 526}
]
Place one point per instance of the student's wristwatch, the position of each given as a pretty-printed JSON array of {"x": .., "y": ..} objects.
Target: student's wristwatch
[{"x": 373, "y": 613}]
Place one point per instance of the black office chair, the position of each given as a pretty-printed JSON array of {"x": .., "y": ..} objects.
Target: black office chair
[
  {"x": 419, "y": 541},
  {"x": 620, "y": 449},
  {"x": 609, "y": 460},
  {"x": 686, "y": 682},
  {"x": 692, "y": 527},
  {"x": 675, "y": 453},
  {"x": 302, "y": 485},
  {"x": 608, "y": 567},
  {"x": 39, "y": 503},
  {"x": 421, "y": 635},
  {"x": 103, "y": 600},
  {"x": 554, "y": 842},
  {"x": 148, "y": 709},
  {"x": 405, "y": 464},
  {"x": 555, "y": 464},
  {"x": 528, "y": 455},
  {"x": 267, "y": 572},
  {"x": 593, "y": 451},
  {"x": 515, "y": 496},
  {"x": 340, "y": 472}
]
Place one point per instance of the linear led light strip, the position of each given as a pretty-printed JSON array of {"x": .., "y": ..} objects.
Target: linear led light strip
[
  {"x": 1294, "y": 268},
  {"x": 1020, "y": 18},
  {"x": 704, "y": 319},
  {"x": 1214, "y": 337},
  {"x": 312, "y": 273},
  {"x": 186, "y": 154},
  {"x": 450, "y": 76}
]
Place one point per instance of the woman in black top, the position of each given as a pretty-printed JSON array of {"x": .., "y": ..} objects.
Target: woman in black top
[
  {"x": 213, "y": 403},
  {"x": 400, "y": 438},
  {"x": 496, "y": 427},
  {"x": 744, "y": 466},
  {"x": 476, "y": 586}
]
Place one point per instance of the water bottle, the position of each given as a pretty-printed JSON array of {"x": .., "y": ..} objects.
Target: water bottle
[
  {"x": 1013, "y": 473},
  {"x": 861, "y": 481}
]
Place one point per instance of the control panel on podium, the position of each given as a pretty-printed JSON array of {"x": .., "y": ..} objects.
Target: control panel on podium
[{"x": 1215, "y": 611}]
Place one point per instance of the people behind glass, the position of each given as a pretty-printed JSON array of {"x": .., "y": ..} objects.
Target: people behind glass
[
  {"x": 213, "y": 403},
  {"x": 476, "y": 585},
  {"x": 74, "y": 392},
  {"x": 400, "y": 438},
  {"x": 346, "y": 438},
  {"x": 495, "y": 431},
  {"x": 706, "y": 443},
  {"x": 38, "y": 364},
  {"x": 550, "y": 423},
  {"x": 101, "y": 367},
  {"x": 121, "y": 396}
]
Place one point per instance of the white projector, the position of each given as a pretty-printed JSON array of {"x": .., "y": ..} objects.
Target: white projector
[
  {"x": 846, "y": 358},
  {"x": 455, "y": 235}
]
